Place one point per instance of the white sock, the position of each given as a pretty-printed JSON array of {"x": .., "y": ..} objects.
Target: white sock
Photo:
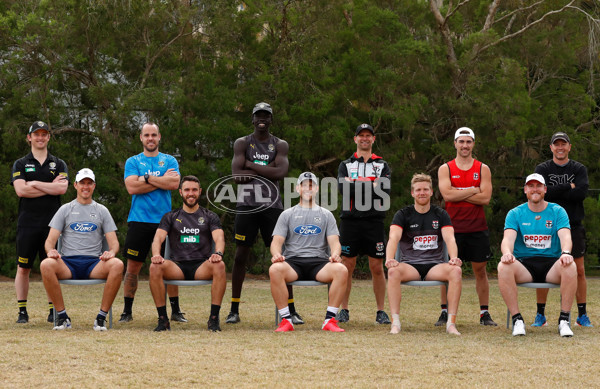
[
  {"x": 285, "y": 312},
  {"x": 396, "y": 319},
  {"x": 483, "y": 311}
]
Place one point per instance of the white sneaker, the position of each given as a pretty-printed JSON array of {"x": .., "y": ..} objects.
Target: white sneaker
[
  {"x": 63, "y": 324},
  {"x": 564, "y": 329},
  {"x": 519, "y": 328},
  {"x": 100, "y": 326}
]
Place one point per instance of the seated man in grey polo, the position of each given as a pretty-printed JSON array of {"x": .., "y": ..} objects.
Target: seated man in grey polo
[
  {"x": 83, "y": 224},
  {"x": 312, "y": 252},
  {"x": 191, "y": 230}
]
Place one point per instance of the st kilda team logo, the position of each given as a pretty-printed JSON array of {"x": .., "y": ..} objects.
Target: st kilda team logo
[
  {"x": 548, "y": 223},
  {"x": 435, "y": 224}
]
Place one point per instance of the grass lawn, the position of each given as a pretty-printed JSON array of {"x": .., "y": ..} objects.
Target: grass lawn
[{"x": 250, "y": 354}]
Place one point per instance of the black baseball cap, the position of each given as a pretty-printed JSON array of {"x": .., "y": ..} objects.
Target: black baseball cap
[
  {"x": 39, "y": 125},
  {"x": 560, "y": 135},
  {"x": 364, "y": 126},
  {"x": 262, "y": 107}
]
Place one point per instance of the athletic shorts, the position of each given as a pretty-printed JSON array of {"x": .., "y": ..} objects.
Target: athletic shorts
[
  {"x": 30, "y": 243},
  {"x": 81, "y": 265},
  {"x": 189, "y": 267},
  {"x": 362, "y": 236},
  {"x": 307, "y": 268},
  {"x": 139, "y": 240},
  {"x": 247, "y": 225},
  {"x": 473, "y": 246},
  {"x": 538, "y": 267},
  {"x": 579, "y": 241},
  {"x": 423, "y": 268}
]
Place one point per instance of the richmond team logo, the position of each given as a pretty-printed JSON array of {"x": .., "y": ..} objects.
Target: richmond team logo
[
  {"x": 52, "y": 165},
  {"x": 435, "y": 224},
  {"x": 200, "y": 220},
  {"x": 161, "y": 163},
  {"x": 271, "y": 147},
  {"x": 548, "y": 223}
]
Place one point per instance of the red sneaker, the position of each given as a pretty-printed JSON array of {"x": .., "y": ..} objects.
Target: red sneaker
[
  {"x": 285, "y": 326},
  {"x": 332, "y": 326}
]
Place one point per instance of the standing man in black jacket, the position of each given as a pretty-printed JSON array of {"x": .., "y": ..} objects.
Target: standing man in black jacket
[
  {"x": 568, "y": 184},
  {"x": 364, "y": 181}
]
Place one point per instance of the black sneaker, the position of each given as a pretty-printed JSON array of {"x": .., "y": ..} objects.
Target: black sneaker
[
  {"x": 62, "y": 323},
  {"x": 442, "y": 320},
  {"x": 382, "y": 318},
  {"x": 296, "y": 318},
  {"x": 213, "y": 324},
  {"x": 343, "y": 316},
  {"x": 486, "y": 320},
  {"x": 125, "y": 318},
  {"x": 23, "y": 318},
  {"x": 163, "y": 324},
  {"x": 178, "y": 316},
  {"x": 233, "y": 318},
  {"x": 50, "y": 316}
]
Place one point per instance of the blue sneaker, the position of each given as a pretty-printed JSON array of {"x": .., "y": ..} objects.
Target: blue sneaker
[
  {"x": 584, "y": 321},
  {"x": 540, "y": 321}
]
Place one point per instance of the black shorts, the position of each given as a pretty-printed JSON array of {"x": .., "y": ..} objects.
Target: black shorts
[
  {"x": 362, "y": 236},
  {"x": 307, "y": 268},
  {"x": 247, "y": 225},
  {"x": 30, "y": 243},
  {"x": 579, "y": 241},
  {"x": 139, "y": 240},
  {"x": 538, "y": 267},
  {"x": 473, "y": 246},
  {"x": 423, "y": 268},
  {"x": 189, "y": 267}
]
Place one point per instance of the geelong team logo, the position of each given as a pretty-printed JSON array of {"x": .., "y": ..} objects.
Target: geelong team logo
[
  {"x": 435, "y": 224},
  {"x": 308, "y": 229},
  {"x": 83, "y": 227}
]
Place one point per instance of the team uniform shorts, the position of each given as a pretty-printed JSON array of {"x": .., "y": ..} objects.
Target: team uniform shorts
[
  {"x": 423, "y": 268},
  {"x": 30, "y": 243},
  {"x": 81, "y": 265},
  {"x": 473, "y": 246},
  {"x": 538, "y": 267},
  {"x": 579, "y": 241},
  {"x": 362, "y": 236},
  {"x": 139, "y": 240},
  {"x": 247, "y": 225},
  {"x": 307, "y": 268},
  {"x": 189, "y": 267}
]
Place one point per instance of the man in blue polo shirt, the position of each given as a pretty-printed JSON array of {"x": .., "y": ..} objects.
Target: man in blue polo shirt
[{"x": 537, "y": 248}]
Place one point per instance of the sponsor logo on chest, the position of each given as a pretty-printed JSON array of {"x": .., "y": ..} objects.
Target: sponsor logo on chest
[
  {"x": 308, "y": 229},
  {"x": 539, "y": 242},
  {"x": 190, "y": 239},
  {"x": 425, "y": 242},
  {"x": 186, "y": 230},
  {"x": 83, "y": 227}
]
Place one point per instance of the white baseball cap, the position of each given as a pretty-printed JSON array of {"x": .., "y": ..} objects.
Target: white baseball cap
[
  {"x": 307, "y": 176},
  {"x": 85, "y": 173},
  {"x": 464, "y": 131},
  {"x": 535, "y": 177}
]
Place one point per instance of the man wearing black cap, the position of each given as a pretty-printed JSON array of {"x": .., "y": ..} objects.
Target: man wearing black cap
[
  {"x": 259, "y": 162},
  {"x": 568, "y": 183},
  {"x": 364, "y": 181},
  {"x": 39, "y": 178}
]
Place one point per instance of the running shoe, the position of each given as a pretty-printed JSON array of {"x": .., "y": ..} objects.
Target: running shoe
[
  {"x": 125, "y": 318},
  {"x": 163, "y": 324},
  {"x": 518, "y": 328},
  {"x": 213, "y": 324},
  {"x": 486, "y": 320},
  {"x": 443, "y": 319},
  {"x": 178, "y": 316},
  {"x": 296, "y": 318},
  {"x": 62, "y": 323},
  {"x": 331, "y": 325},
  {"x": 285, "y": 326},
  {"x": 23, "y": 318},
  {"x": 564, "y": 329},
  {"x": 343, "y": 316},
  {"x": 540, "y": 321},
  {"x": 233, "y": 318},
  {"x": 382, "y": 318},
  {"x": 584, "y": 321},
  {"x": 100, "y": 325},
  {"x": 50, "y": 318}
]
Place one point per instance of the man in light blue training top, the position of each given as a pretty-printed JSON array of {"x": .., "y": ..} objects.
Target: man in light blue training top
[
  {"x": 537, "y": 248},
  {"x": 149, "y": 177},
  {"x": 83, "y": 224}
]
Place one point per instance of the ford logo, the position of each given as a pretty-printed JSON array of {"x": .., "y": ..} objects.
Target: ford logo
[
  {"x": 308, "y": 230},
  {"x": 83, "y": 227}
]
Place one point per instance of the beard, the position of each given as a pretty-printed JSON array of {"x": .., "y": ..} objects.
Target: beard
[{"x": 192, "y": 202}]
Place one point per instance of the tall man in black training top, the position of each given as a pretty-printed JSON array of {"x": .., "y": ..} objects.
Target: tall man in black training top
[
  {"x": 259, "y": 162},
  {"x": 567, "y": 183},
  {"x": 39, "y": 178}
]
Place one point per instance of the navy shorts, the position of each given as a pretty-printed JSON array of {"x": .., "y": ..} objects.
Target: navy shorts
[
  {"x": 247, "y": 225},
  {"x": 30, "y": 243},
  {"x": 307, "y": 268},
  {"x": 538, "y": 267},
  {"x": 189, "y": 267},
  {"x": 81, "y": 265},
  {"x": 362, "y": 236},
  {"x": 473, "y": 246}
]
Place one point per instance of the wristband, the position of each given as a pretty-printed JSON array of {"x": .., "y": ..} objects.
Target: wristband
[
  {"x": 219, "y": 253},
  {"x": 566, "y": 252}
]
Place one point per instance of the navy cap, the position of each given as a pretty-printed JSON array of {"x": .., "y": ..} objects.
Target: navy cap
[
  {"x": 364, "y": 126},
  {"x": 262, "y": 107},
  {"x": 39, "y": 125}
]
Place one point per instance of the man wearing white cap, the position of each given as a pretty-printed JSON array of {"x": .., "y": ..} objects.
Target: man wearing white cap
[
  {"x": 312, "y": 252},
  {"x": 537, "y": 248},
  {"x": 466, "y": 185},
  {"x": 83, "y": 224}
]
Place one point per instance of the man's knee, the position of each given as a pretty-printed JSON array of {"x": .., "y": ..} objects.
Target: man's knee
[
  {"x": 134, "y": 267},
  {"x": 455, "y": 273},
  {"x": 219, "y": 269},
  {"x": 156, "y": 270},
  {"x": 376, "y": 267}
]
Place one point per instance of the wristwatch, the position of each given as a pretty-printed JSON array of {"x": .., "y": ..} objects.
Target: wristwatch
[
  {"x": 146, "y": 176},
  {"x": 566, "y": 252},
  {"x": 219, "y": 253}
]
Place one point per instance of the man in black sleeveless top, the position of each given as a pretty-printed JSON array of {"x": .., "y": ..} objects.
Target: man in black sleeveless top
[{"x": 259, "y": 162}]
